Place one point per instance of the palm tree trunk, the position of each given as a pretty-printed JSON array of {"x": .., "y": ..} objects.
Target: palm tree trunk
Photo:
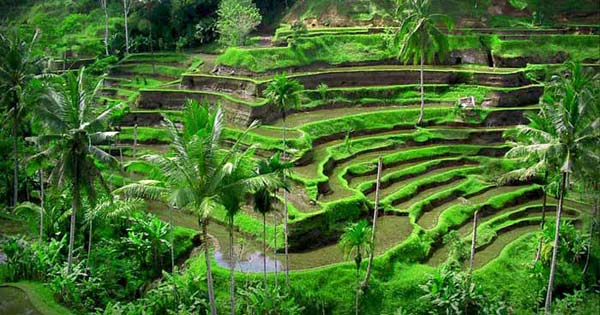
[
  {"x": 152, "y": 49},
  {"x": 365, "y": 283},
  {"x": 89, "y": 251},
  {"x": 16, "y": 159},
  {"x": 544, "y": 201},
  {"x": 105, "y": 27},
  {"x": 592, "y": 227},
  {"x": 422, "y": 111},
  {"x": 135, "y": 140},
  {"x": 548, "y": 303},
  {"x": 209, "y": 278},
  {"x": 473, "y": 243},
  {"x": 265, "y": 251},
  {"x": 75, "y": 206},
  {"x": 231, "y": 267},
  {"x": 41, "y": 175},
  {"x": 275, "y": 251},
  {"x": 357, "y": 289},
  {"x": 172, "y": 239},
  {"x": 285, "y": 214},
  {"x": 126, "y": 13}
]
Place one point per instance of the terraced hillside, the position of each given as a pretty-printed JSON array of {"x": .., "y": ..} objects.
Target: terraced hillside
[
  {"x": 434, "y": 176},
  {"x": 354, "y": 111}
]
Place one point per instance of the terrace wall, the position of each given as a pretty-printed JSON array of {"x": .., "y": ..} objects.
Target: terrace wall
[
  {"x": 235, "y": 112},
  {"x": 219, "y": 83}
]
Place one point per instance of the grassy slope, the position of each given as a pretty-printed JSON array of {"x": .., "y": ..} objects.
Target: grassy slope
[
  {"x": 41, "y": 297},
  {"x": 339, "y": 49}
]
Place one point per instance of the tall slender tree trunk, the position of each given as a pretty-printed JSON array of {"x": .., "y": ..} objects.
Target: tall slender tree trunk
[
  {"x": 231, "y": 267},
  {"x": 126, "y": 14},
  {"x": 538, "y": 252},
  {"x": 561, "y": 197},
  {"x": 16, "y": 158},
  {"x": 41, "y": 175},
  {"x": 357, "y": 289},
  {"x": 365, "y": 283},
  {"x": 265, "y": 251},
  {"x": 473, "y": 244},
  {"x": 275, "y": 251},
  {"x": 285, "y": 213},
  {"x": 75, "y": 206},
  {"x": 103, "y": 3},
  {"x": 209, "y": 277},
  {"x": 172, "y": 239},
  {"x": 89, "y": 250},
  {"x": 422, "y": 111},
  {"x": 152, "y": 49},
  {"x": 592, "y": 227},
  {"x": 472, "y": 258},
  {"x": 135, "y": 136},
  {"x": 135, "y": 140}
]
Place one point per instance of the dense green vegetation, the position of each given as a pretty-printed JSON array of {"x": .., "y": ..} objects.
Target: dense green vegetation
[
  {"x": 299, "y": 157},
  {"x": 348, "y": 48}
]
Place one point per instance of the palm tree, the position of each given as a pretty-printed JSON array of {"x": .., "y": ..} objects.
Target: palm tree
[
  {"x": 73, "y": 131},
  {"x": 533, "y": 163},
  {"x": 356, "y": 241},
  {"x": 18, "y": 66},
  {"x": 264, "y": 199},
  {"x": 284, "y": 94},
  {"x": 569, "y": 105},
  {"x": 236, "y": 173},
  {"x": 419, "y": 38},
  {"x": 365, "y": 283},
  {"x": 198, "y": 177}
]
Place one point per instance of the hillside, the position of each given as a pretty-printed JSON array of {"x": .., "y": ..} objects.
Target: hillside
[{"x": 466, "y": 13}]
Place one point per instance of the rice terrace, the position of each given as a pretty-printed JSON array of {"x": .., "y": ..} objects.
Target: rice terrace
[{"x": 299, "y": 157}]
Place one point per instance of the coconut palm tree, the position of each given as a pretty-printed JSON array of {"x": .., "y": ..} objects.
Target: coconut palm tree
[
  {"x": 419, "y": 38},
  {"x": 284, "y": 94},
  {"x": 236, "y": 172},
  {"x": 264, "y": 199},
  {"x": 73, "y": 129},
  {"x": 365, "y": 283},
  {"x": 199, "y": 176},
  {"x": 533, "y": 164},
  {"x": 356, "y": 242},
  {"x": 19, "y": 65},
  {"x": 569, "y": 105}
]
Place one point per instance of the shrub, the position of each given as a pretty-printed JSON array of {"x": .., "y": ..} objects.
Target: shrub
[
  {"x": 101, "y": 65},
  {"x": 255, "y": 300},
  {"x": 30, "y": 261},
  {"x": 453, "y": 292}
]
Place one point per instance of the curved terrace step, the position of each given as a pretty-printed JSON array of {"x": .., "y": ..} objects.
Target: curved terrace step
[
  {"x": 505, "y": 235},
  {"x": 361, "y": 77},
  {"x": 429, "y": 220},
  {"x": 405, "y": 190},
  {"x": 367, "y": 171},
  {"x": 368, "y": 153},
  {"x": 321, "y": 158}
]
